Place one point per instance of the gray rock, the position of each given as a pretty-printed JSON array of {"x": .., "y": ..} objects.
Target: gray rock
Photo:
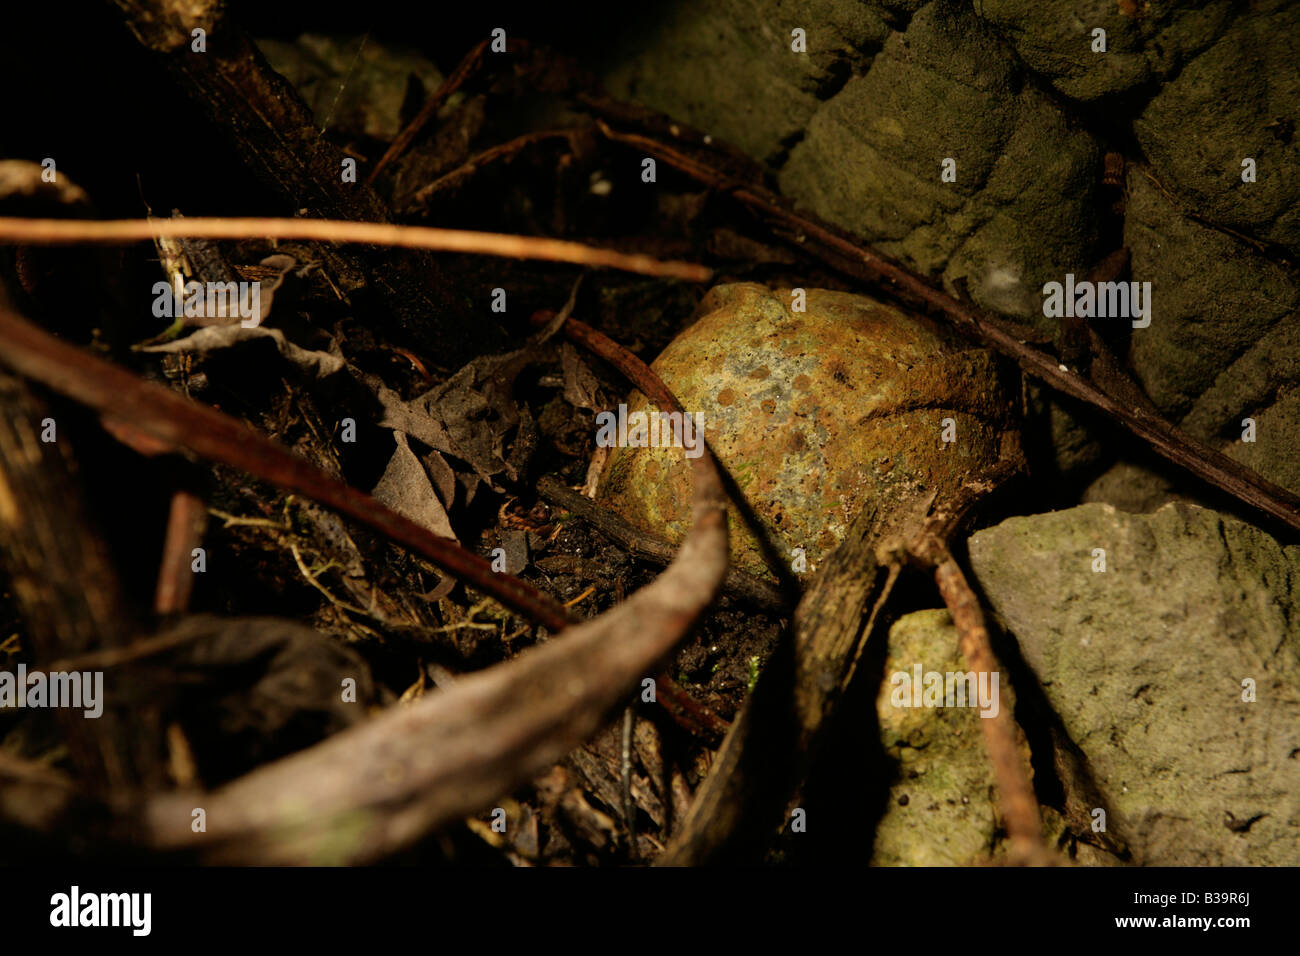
[
  {"x": 1223, "y": 344},
  {"x": 1213, "y": 297},
  {"x": 1022, "y": 211},
  {"x": 1240, "y": 98},
  {"x": 1144, "y": 664},
  {"x": 727, "y": 68},
  {"x": 1132, "y": 486},
  {"x": 1055, "y": 39}
]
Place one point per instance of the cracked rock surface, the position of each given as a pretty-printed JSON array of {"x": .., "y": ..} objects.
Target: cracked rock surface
[{"x": 1145, "y": 665}]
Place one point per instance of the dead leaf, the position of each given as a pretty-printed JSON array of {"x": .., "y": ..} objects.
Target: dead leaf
[
  {"x": 405, "y": 488},
  {"x": 581, "y": 387}
]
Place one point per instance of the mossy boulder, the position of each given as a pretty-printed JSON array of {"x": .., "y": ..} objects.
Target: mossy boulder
[{"x": 812, "y": 414}]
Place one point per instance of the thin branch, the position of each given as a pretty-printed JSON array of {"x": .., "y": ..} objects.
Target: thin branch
[
  {"x": 647, "y": 547},
  {"x": 681, "y": 706},
  {"x": 929, "y": 549},
  {"x": 53, "y": 232},
  {"x": 469, "y": 65},
  {"x": 504, "y": 151},
  {"x": 137, "y": 650},
  {"x": 1019, "y": 805},
  {"x": 185, "y": 525}
]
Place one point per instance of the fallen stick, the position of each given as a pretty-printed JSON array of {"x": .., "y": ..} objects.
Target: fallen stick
[
  {"x": 754, "y": 590},
  {"x": 51, "y": 232},
  {"x": 930, "y": 550}
]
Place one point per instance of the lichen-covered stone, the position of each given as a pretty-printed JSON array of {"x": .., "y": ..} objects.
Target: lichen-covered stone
[
  {"x": 942, "y": 808},
  {"x": 812, "y": 414},
  {"x": 1145, "y": 662}
]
